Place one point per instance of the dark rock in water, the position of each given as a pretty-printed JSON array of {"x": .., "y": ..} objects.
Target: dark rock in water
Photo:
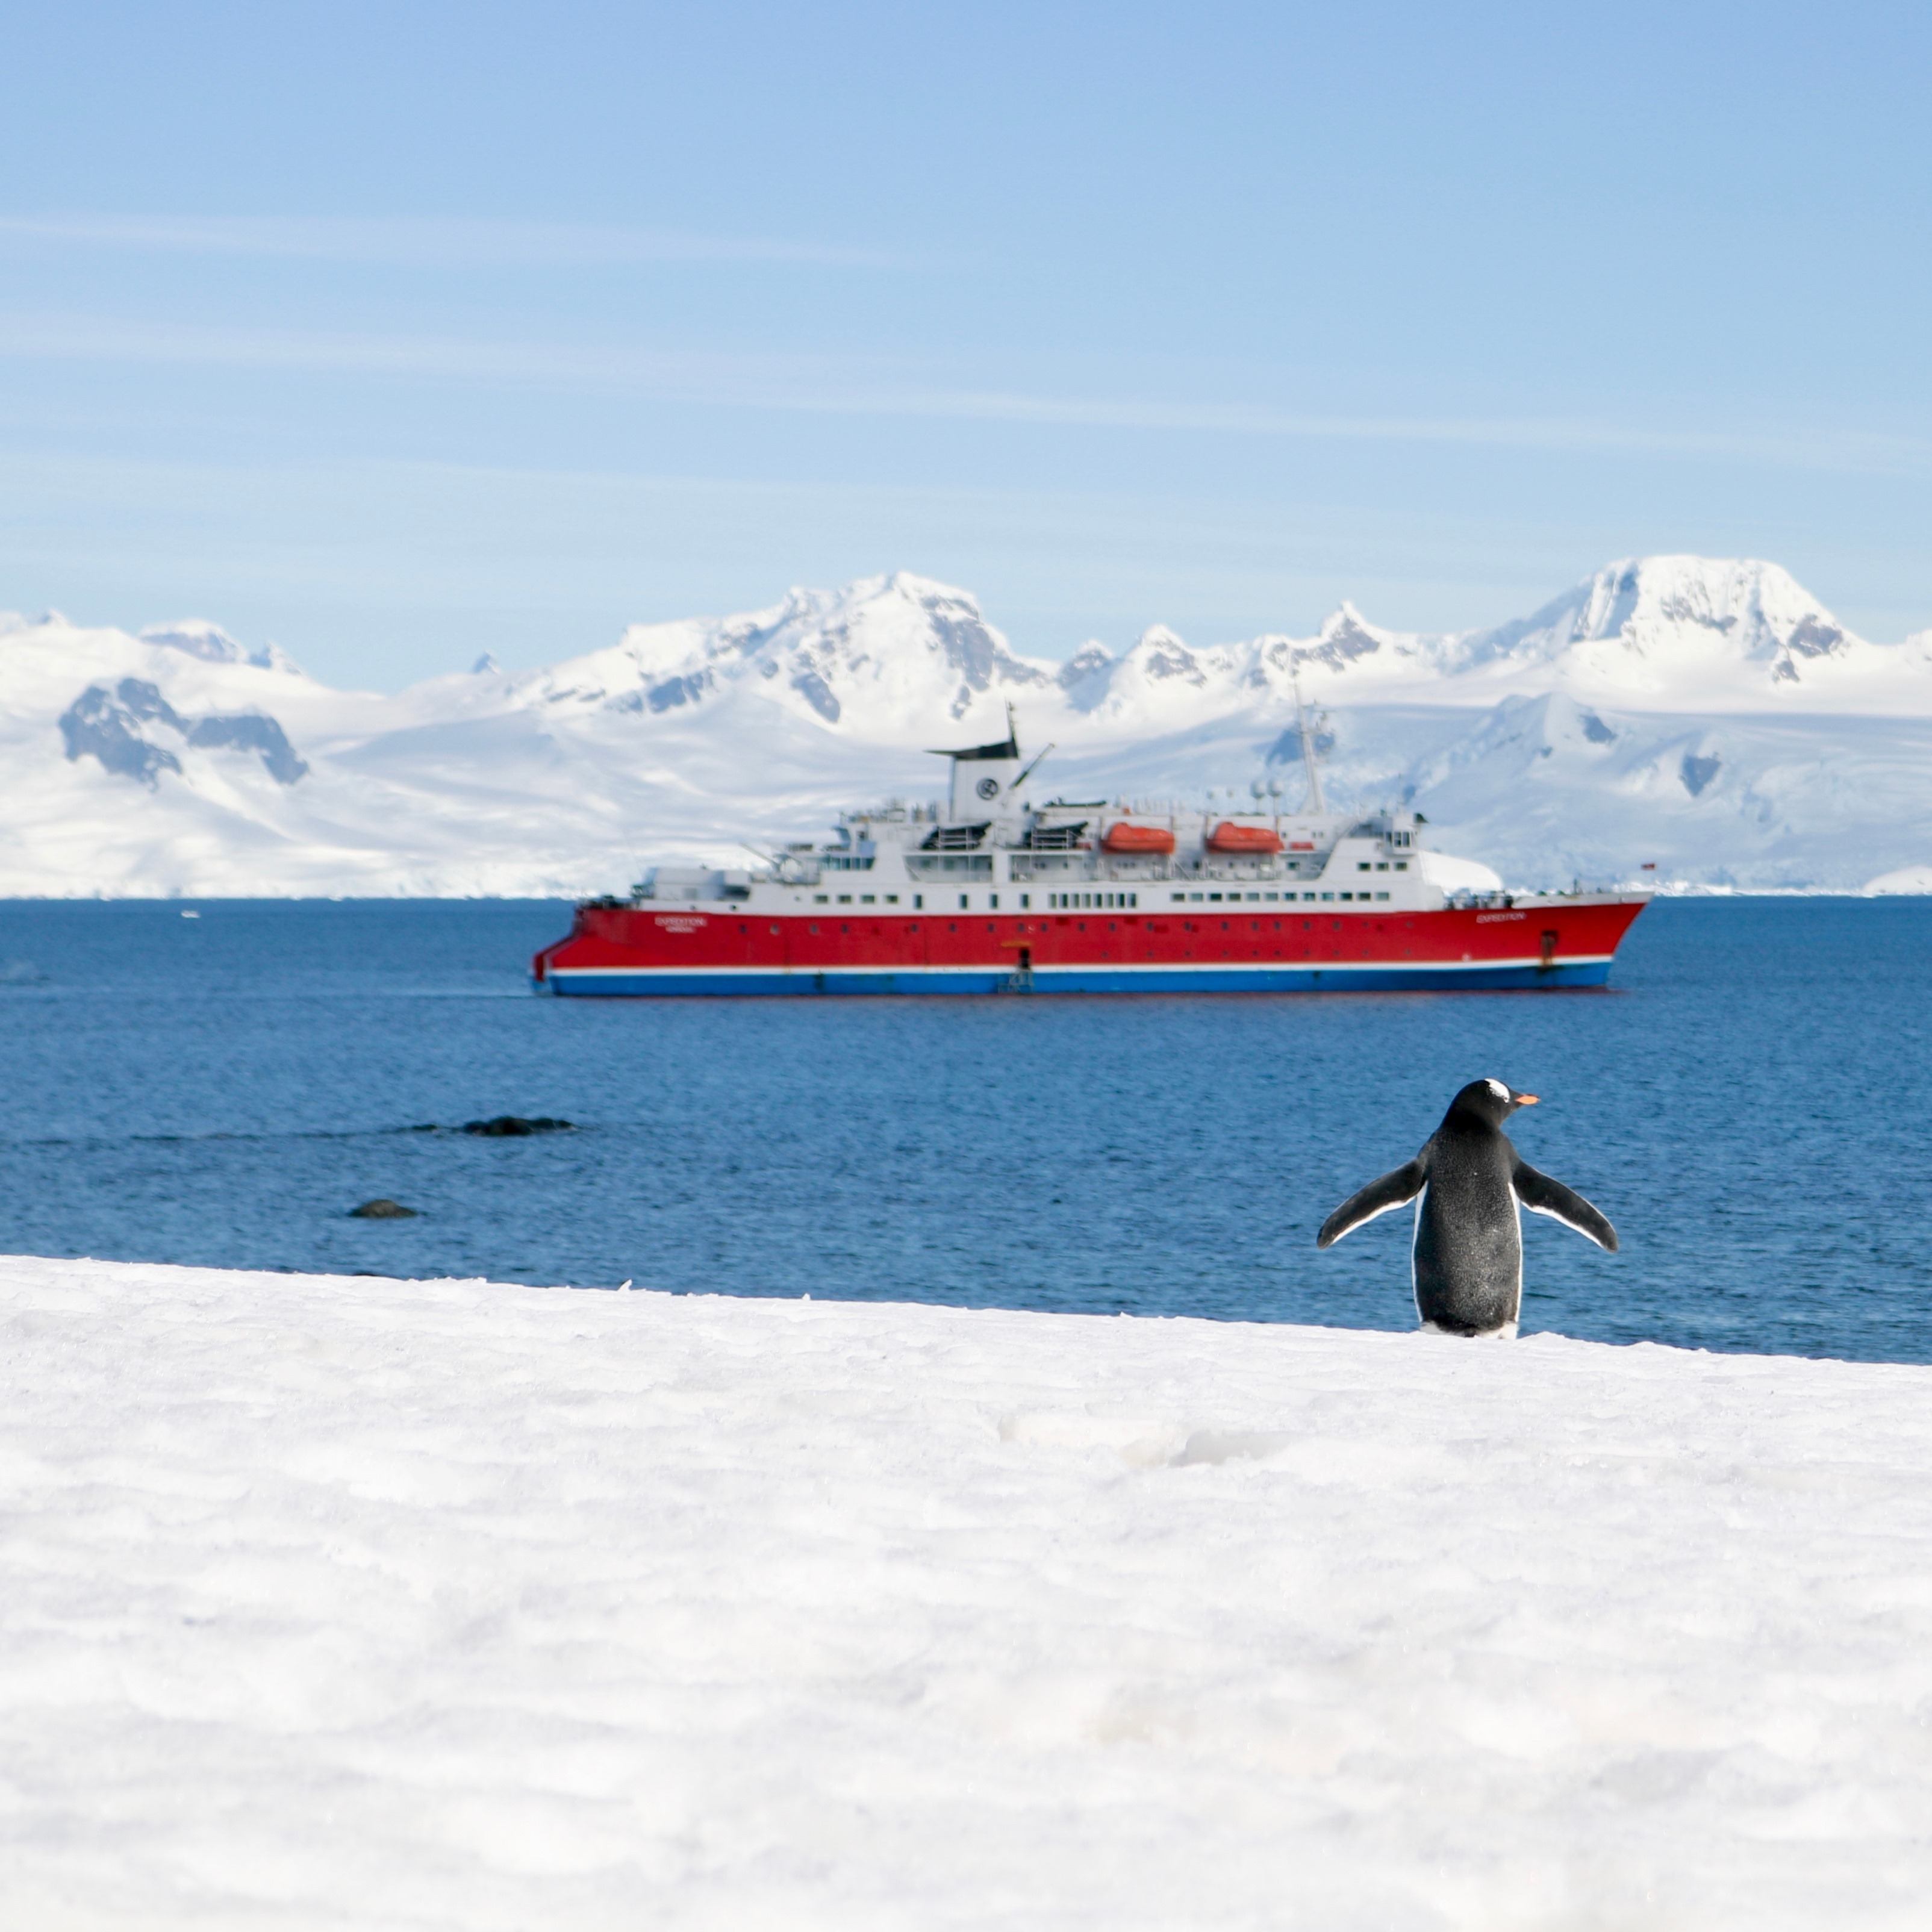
[
  {"x": 382, "y": 1210},
  {"x": 507, "y": 1125}
]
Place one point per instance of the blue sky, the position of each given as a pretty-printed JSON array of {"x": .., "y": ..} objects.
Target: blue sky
[{"x": 400, "y": 333}]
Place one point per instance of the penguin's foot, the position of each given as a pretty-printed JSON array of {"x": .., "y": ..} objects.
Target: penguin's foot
[{"x": 1506, "y": 1332}]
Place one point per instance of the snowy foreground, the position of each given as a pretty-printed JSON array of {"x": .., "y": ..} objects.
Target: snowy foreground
[{"x": 333, "y": 1602}]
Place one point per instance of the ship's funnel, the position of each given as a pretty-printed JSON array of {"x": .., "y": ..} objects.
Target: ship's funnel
[{"x": 984, "y": 775}]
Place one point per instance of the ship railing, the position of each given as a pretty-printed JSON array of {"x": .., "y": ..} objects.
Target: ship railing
[
  {"x": 1043, "y": 868},
  {"x": 951, "y": 865}
]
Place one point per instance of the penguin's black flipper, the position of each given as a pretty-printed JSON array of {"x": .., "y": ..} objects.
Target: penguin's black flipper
[
  {"x": 1378, "y": 1198},
  {"x": 1542, "y": 1195}
]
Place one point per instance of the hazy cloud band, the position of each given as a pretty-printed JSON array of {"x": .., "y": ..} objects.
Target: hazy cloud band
[{"x": 805, "y": 384}]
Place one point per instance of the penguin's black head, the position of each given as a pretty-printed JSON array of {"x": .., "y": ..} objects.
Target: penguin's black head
[{"x": 1490, "y": 1101}]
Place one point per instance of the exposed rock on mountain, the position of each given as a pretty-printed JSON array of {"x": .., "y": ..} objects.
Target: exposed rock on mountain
[{"x": 108, "y": 726}]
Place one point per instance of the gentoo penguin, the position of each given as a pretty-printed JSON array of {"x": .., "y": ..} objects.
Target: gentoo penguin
[{"x": 1466, "y": 1182}]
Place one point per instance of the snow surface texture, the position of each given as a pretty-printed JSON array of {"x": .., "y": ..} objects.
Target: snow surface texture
[
  {"x": 331, "y": 1602},
  {"x": 1711, "y": 718}
]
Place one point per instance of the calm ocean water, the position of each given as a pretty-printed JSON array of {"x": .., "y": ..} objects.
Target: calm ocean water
[{"x": 1751, "y": 1104}]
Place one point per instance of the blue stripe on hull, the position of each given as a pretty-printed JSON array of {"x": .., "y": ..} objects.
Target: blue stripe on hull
[{"x": 1082, "y": 980}]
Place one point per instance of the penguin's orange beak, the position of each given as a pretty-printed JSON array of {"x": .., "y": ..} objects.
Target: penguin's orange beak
[{"x": 1525, "y": 1099}]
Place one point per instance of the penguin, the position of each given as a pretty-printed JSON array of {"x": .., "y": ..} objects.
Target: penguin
[{"x": 1466, "y": 1183}]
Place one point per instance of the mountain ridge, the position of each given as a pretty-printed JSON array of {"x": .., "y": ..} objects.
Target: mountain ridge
[{"x": 1708, "y": 715}]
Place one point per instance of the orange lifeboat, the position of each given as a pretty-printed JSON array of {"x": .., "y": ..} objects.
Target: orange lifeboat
[
  {"x": 1137, "y": 840},
  {"x": 1247, "y": 841}
]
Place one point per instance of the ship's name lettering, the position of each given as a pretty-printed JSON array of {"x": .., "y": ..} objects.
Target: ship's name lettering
[
  {"x": 1491, "y": 918},
  {"x": 681, "y": 921}
]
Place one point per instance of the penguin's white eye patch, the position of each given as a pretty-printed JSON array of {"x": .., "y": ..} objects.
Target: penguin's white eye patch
[{"x": 1497, "y": 1087}]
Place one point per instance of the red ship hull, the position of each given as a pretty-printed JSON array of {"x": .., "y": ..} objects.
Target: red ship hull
[{"x": 715, "y": 947}]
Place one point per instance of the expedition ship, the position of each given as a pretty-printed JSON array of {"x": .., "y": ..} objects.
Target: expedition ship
[{"x": 990, "y": 892}]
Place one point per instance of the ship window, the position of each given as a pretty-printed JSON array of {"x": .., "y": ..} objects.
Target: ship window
[
  {"x": 919, "y": 902},
  {"x": 963, "y": 902},
  {"x": 1133, "y": 899},
  {"x": 1382, "y": 864},
  {"x": 892, "y": 898},
  {"x": 1307, "y": 897},
  {"x": 1214, "y": 898},
  {"x": 1328, "y": 896},
  {"x": 1361, "y": 864},
  {"x": 993, "y": 900},
  {"x": 868, "y": 898},
  {"x": 1401, "y": 865},
  {"x": 820, "y": 898},
  {"x": 1178, "y": 898},
  {"x": 1273, "y": 897},
  {"x": 1026, "y": 900},
  {"x": 845, "y": 899},
  {"x": 1196, "y": 897},
  {"x": 1381, "y": 895}
]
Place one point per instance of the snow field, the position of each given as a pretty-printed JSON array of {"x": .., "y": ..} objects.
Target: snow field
[{"x": 330, "y": 1602}]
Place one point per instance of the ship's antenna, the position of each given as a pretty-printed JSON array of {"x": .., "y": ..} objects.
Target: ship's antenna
[
  {"x": 1028, "y": 772},
  {"x": 1306, "y": 730}
]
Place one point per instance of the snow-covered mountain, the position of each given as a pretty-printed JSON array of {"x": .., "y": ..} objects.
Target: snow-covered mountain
[{"x": 1710, "y": 717}]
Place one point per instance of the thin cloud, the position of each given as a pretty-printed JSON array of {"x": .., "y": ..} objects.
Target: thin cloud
[
  {"x": 427, "y": 243},
  {"x": 823, "y": 386}
]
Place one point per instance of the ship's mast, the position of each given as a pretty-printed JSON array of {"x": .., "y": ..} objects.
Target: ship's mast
[{"x": 1304, "y": 727}]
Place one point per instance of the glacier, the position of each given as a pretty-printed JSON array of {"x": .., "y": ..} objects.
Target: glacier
[{"x": 1696, "y": 723}]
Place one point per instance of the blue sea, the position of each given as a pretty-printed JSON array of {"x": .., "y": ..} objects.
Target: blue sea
[{"x": 1750, "y": 1102}]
